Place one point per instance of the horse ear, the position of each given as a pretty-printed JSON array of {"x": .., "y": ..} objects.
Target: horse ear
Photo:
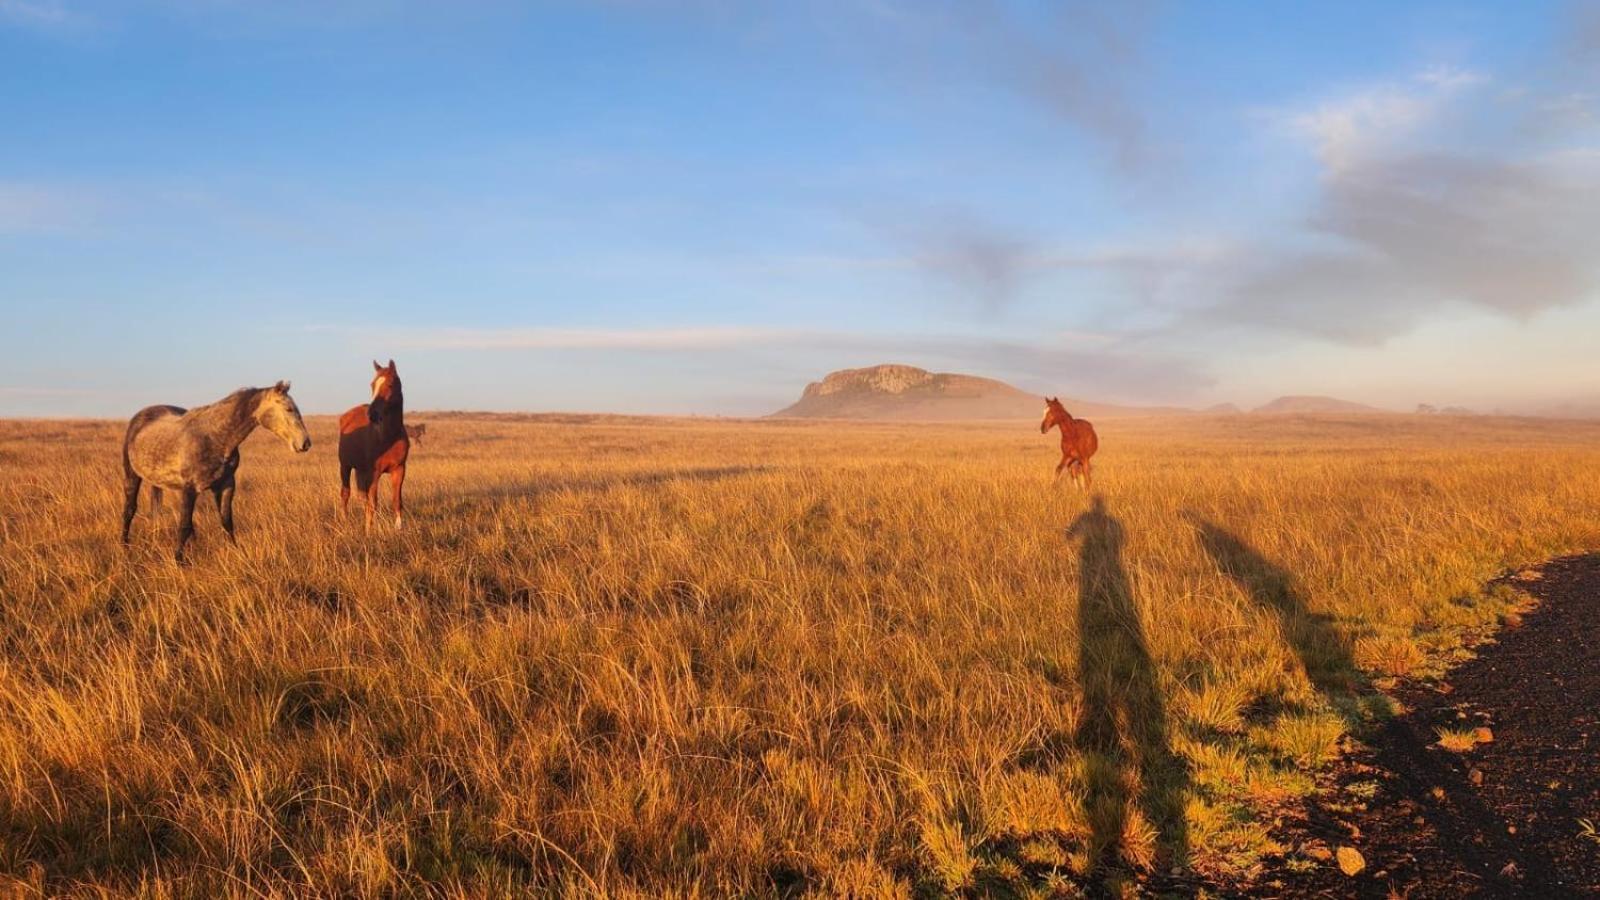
[
  {"x": 281, "y": 387},
  {"x": 391, "y": 364},
  {"x": 376, "y": 367}
]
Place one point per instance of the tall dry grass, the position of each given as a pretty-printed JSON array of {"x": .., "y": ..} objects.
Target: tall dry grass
[{"x": 665, "y": 657}]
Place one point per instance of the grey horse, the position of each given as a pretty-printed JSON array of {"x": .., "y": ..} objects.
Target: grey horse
[{"x": 198, "y": 450}]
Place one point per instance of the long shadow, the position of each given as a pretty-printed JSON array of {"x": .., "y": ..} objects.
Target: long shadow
[
  {"x": 1323, "y": 649},
  {"x": 1468, "y": 830},
  {"x": 1123, "y": 730}
]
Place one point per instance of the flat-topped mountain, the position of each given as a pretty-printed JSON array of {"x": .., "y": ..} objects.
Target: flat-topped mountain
[
  {"x": 1310, "y": 404},
  {"x": 907, "y": 393}
]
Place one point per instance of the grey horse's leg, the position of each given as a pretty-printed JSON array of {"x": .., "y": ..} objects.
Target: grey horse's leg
[
  {"x": 222, "y": 492},
  {"x": 130, "y": 501},
  {"x": 186, "y": 520}
]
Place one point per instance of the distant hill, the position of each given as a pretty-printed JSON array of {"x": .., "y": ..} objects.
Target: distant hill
[
  {"x": 907, "y": 393},
  {"x": 1306, "y": 404}
]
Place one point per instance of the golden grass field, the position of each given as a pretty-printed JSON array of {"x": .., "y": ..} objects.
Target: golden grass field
[{"x": 629, "y": 656}]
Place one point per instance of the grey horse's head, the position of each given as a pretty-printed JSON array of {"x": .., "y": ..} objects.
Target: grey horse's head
[{"x": 277, "y": 413}]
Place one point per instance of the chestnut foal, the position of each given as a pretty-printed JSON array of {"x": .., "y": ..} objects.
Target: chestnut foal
[{"x": 1078, "y": 440}]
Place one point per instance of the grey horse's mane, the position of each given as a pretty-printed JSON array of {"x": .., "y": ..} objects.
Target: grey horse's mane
[{"x": 237, "y": 410}]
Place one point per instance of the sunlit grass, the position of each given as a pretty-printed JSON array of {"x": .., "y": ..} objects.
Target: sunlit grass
[{"x": 626, "y": 656}]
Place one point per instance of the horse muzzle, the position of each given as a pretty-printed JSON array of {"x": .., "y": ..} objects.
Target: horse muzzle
[{"x": 303, "y": 445}]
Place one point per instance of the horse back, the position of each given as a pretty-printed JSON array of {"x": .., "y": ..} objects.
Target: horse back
[
  {"x": 355, "y": 417},
  {"x": 132, "y": 460},
  {"x": 1083, "y": 441}
]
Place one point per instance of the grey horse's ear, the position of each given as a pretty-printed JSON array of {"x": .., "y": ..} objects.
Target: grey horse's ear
[{"x": 281, "y": 387}]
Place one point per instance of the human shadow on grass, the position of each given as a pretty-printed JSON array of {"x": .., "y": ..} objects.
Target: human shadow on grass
[
  {"x": 1436, "y": 783},
  {"x": 1323, "y": 649},
  {"x": 1122, "y": 733}
]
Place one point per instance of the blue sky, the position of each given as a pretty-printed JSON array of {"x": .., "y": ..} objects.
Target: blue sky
[{"x": 697, "y": 207}]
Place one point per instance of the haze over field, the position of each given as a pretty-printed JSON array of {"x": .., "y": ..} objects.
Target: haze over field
[{"x": 701, "y": 207}]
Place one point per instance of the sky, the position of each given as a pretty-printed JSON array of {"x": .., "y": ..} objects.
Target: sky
[{"x": 700, "y": 206}]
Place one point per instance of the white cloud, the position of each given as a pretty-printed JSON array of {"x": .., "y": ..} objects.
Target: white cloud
[
  {"x": 701, "y": 338},
  {"x": 1451, "y": 78},
  {"x": 39, "y": 392},
  {"x": 38, "y": 207},
  {"x": 43, "y": 14},
  {"x": 1375, "y": 119}
]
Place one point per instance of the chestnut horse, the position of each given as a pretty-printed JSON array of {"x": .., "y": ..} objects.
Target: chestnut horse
[
  {"x": 373, "y": 442},
  {"x": 1078, "y": 440}
]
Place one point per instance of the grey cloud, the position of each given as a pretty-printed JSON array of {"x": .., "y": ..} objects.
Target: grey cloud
[
  {"x": 1581, "y": 44},
  {"x": 1081, "y": 66},
  {"x": 975, "y": 260},
  {"x": 1406, "y": 236}
]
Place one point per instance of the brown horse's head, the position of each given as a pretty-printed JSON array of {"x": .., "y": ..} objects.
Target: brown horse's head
[
  {"x": 1054, "y": 414},
  {"x": 385, "y": 390}
]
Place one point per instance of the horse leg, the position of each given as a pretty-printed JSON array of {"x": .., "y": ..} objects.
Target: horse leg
[
  {"x": 155, "y": 501},
  {"x": 1059, "y": 466},
  {"x": 130, "y": 501},
  {"x": 1076, "y": 470},
  {"x": 344, "y": 489},
  {"x": 372, "y": 498},
  {"x": 1087, "y": 472},
  {"x": 397, "y": 478},
  {"x": 223, "y": 494},
  {"x": 186, "y": 521}
]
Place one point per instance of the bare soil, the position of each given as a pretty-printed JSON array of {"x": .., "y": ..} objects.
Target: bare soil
[{"x": 1503, "y": 819}]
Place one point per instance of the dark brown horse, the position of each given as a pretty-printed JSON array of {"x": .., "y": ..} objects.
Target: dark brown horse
[
  {"x": 373, "y": 442},
  {"x": 1078, "y": 440}
]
